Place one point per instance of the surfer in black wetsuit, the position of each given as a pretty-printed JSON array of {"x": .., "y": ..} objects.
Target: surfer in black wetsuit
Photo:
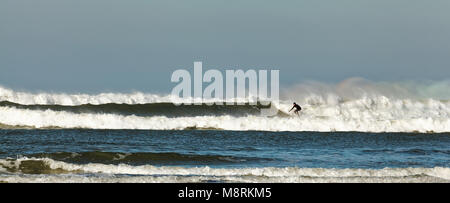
[{"x": 297, "y": 108}]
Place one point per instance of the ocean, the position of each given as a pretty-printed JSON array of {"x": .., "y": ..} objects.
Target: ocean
[{"x": 139, "y": 137}]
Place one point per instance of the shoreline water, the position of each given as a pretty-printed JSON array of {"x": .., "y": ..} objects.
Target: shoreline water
[{"x": 89, "y": 155}]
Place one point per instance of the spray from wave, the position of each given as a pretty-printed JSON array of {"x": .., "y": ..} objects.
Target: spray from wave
[{"x": 351, "y": 105}]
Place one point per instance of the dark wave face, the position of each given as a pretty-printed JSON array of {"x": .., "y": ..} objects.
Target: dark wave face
[
  {"x": 153, "y": 109},
  {"x": 140, "y": 158}
]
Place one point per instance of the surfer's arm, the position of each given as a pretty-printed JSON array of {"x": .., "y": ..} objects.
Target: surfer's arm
[{"x": 291, "y": 109}]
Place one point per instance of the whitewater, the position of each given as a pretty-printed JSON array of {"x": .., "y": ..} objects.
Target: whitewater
[{"x": 351, "y": 105}]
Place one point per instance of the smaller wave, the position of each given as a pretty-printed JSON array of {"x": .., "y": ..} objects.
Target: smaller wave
[
  {"x": 12, "y": 170},
  {"x": 36, "y": 163}
]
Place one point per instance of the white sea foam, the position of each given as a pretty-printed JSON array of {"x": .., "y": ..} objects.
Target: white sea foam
[{"x": 149, "y": 173}]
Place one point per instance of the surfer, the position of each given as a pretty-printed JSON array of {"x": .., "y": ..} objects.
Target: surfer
[{"x": 297, "y": 108}]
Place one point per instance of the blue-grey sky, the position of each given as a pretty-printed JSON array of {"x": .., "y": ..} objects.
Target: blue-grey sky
[{"x": 112, "y": 45}]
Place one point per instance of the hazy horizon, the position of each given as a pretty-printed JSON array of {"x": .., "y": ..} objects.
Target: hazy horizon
[{"x": 104, "y": 45}]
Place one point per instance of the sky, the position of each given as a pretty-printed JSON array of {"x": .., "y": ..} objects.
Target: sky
[{"x": 111, "y": 45}]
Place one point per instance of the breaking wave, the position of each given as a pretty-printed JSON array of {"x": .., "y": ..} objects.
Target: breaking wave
[{"x": 352, "y": 105}]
